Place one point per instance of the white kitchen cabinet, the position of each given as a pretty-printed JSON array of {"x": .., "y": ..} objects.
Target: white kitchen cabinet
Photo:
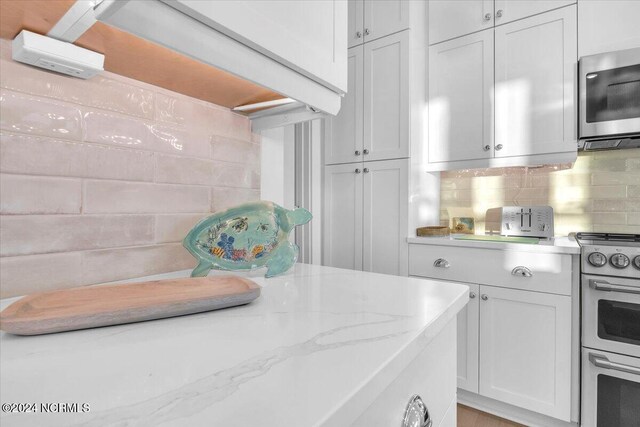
[
  {"x": 385, "y": 217},
  {"x": 460, "y": 95},
  {"x": 607, "y": 26},
  {"x": 386, "y": 97},
  {"x": 355, "y": 25},
  {"x": 468, "y": 341},
  {"x": 385, "y": 17},
  {"x": 343, "y": 216},
  {"x": 374, "y": 122},
  {"x": 525, "y": 349},
  {"x": 366, "y": 216},
  {"x": 515, "y": 336},
  {"x": 450, "y": 19},
  {"x": 535, "y": 74},
  {"x": 505, "y": 96},
  {"x": 512, "y": 10},
  {"x": 344, "y": 142},
  {"x": 283, "y": 29}
]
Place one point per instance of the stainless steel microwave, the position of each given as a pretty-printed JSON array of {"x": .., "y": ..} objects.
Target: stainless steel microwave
[{"x": 609, "y": 87}]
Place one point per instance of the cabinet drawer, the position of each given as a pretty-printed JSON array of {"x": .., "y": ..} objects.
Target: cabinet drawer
[{"x": 549, "y": 272}]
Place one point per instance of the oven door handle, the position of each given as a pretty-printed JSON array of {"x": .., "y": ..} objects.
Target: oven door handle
[
  {"x": 602, "y": 285},
  {"x": 603, "y": 362}
]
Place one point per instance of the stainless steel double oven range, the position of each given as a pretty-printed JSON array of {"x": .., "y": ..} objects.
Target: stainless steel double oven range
[{"x": 610, "y": 284}]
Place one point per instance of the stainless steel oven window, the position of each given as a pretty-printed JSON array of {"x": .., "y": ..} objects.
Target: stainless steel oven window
[
  {"x": 618, "y": 402},
  {"x": 619, "y": 321}
]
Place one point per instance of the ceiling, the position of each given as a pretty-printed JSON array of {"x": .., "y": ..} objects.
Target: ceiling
[{"x": 136, "y": 58}]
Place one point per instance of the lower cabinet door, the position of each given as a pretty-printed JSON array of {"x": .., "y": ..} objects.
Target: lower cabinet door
[
  {"x": 384, "y": 244},
  {"x": 343, "y": 216},
  {"x": 525, "y": 349},
  {"x": 468, "y": 334}
]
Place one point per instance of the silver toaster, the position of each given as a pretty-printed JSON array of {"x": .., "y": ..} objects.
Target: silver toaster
[{"x": 531, "y": 221}]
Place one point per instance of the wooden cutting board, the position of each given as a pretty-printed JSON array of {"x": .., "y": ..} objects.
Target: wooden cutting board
[{"x": 96, "y": 306}]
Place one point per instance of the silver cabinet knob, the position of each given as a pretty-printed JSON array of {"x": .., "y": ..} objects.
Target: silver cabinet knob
[
  {"x": 472, "y": 295},
  {"x": 499, "y": 147},
  {"x": 357, "y": 170},
  {"x": 487, "y": 16},
  {"x": 486, "y": 147},
  {"x": 365, "y": 151},
  {"x": 499, "y": 13},
  {"x": 441, "y": 263},
  {"x": 357, "y": 152},
  {"x": 358, "y": 34},
  {"x": 521, "y": 271},
  {"x": 484, "y": 297},
  {"x": 366, "y": 31},
  {"x": 365, "y": 170},
  {"x": 416, "y": 413}
]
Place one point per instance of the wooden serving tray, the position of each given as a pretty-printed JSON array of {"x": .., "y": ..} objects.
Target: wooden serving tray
[{"x": 96, "y": 306}]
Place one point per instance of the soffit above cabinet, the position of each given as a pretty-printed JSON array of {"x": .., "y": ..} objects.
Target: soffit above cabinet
[{"x": 155, "y": 61}]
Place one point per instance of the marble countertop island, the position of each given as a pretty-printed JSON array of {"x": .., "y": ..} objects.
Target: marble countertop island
[{"x": 314, "y": 350}]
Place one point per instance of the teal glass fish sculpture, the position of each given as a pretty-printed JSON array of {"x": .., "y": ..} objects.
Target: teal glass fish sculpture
[{"x": 245, "y": 237}]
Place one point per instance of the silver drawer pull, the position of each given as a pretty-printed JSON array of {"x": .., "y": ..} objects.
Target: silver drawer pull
[
  {"x": 521, "y": 271},
  {"x": 441, "y": 263},
  {"x": 416, "y": 414},
  {"x": 603, "y": 285},
  {"x": 603, "y": 362}
]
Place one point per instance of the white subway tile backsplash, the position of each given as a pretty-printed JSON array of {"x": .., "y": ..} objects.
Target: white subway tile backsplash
[
  {"x": 35, "y": 234},
  {"x": 599, "y": 193},
  {"x": 39, "y": 116},
  {"x": 116, "y": 197},
  {"x": 21, "y": 194}
]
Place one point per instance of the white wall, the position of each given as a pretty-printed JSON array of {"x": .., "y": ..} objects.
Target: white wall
[{"x": 277, "y": 176}]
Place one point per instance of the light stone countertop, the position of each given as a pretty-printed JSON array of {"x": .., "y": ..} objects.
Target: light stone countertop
[
  {"x": 558, "y": 245},
  {"x": 314, "y": 350}
]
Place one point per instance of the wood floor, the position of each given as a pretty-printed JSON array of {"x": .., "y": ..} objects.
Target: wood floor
[{"x": 469, "y": 417}]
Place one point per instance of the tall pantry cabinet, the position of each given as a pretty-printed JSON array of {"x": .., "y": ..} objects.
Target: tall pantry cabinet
[{"x": 368, "y": 144}]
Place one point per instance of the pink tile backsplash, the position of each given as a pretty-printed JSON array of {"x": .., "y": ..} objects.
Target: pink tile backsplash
[
  {"x": 34, "y": 155},
  {"x": 101, "y": 179},
  {"x": 118, "y": 197},
  {"x": 600, "y": 192},
  {"x": 23, "y": 194},
  {"x": 39, "y": 116},
  {"x": 38, "y": 234}
]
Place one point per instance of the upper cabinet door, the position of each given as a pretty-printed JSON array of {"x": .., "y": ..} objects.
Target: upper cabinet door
[
  {"x": 450, "y": 19},
  {"x": 343, "y": 216},
  {"x": 460, "y": 93},
  {"x": 386, "y": 186},
  {"x": 285, "y": 30},
  {"x": 344, "y": 138},
  {"x": 355, "y": 33},
  {"x": 510, "y": 10},
  {"x": 536, "y": 65},
  {"x": 525, "y": 349},
  {"x": 384, "y": 17},
  {"x": 386, "y": 98}
]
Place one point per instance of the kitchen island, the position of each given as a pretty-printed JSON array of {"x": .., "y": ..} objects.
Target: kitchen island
[{"x": 321, "y": 347}]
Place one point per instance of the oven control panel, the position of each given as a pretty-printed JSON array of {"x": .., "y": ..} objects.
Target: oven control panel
[{"x": 623, "y": 261}]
